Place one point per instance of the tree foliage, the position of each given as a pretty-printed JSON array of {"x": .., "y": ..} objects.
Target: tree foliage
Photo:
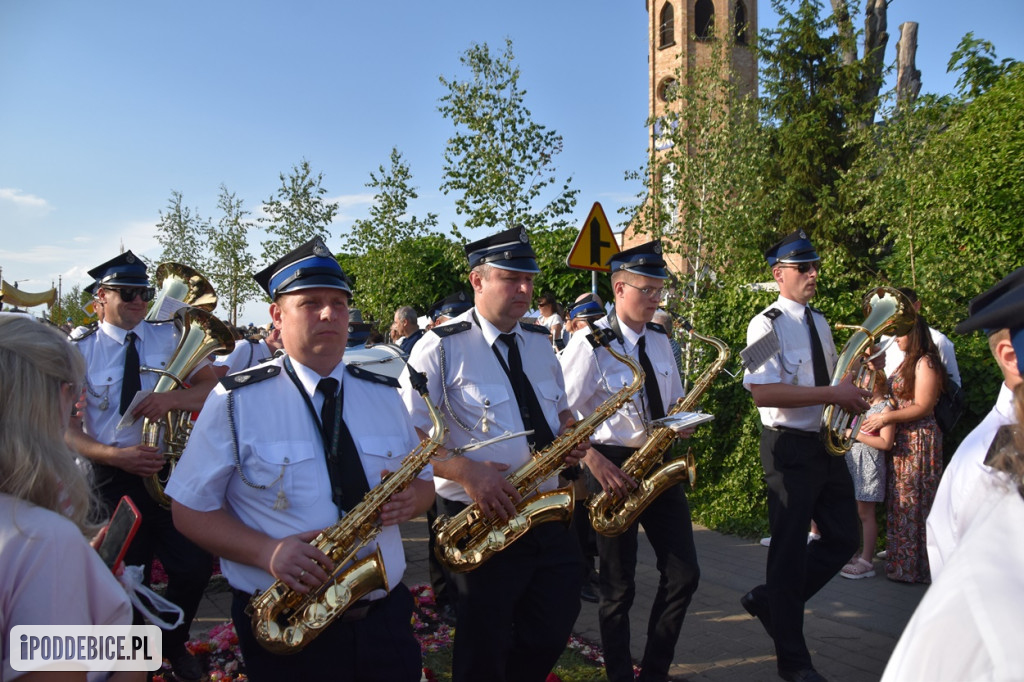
[
  {"x": 296, "y": 213},
  {"x": 499, "y": 160},
  {"x": 179, "y": 233},
  {"x": 394, "y": 257},
  {"x": 230, "y": 264}
]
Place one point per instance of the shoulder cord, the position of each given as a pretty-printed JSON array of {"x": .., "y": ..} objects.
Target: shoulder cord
[
  {"x": 444, "y": 391},
  {"x": 782, "y": 351},
  {"x": 234, "y": 449}
]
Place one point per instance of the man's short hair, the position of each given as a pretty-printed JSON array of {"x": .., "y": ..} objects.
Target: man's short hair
[{"x": 406, "y": 312}]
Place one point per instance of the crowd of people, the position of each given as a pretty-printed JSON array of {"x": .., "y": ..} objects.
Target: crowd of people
[{"x": 291, "y": 440}]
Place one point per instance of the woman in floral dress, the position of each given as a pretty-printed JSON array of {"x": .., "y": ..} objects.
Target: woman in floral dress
[{"x": 916, "y": 456}]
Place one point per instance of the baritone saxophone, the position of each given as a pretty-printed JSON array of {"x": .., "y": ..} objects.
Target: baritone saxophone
[
  {"x": 285, "y": 621},
  {"x": 468, "y": 539},
  {"x": 611, "y": 514}
]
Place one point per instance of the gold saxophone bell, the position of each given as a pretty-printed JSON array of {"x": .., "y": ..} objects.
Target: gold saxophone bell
[
  {"x": 201, "y": 334},
  {"x": 886, "y": 310}
]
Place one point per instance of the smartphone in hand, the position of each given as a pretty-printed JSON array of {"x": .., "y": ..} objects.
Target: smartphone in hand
[{"x": 117, "y": 535}]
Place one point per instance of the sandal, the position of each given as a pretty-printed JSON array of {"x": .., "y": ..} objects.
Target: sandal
[{"x": 858, "y": 568}]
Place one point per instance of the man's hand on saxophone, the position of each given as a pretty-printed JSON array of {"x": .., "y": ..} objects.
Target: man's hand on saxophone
[{"x": 298, "y": 564}]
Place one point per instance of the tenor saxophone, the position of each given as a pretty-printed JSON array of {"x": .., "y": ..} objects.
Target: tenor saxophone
[
  {"x": 468, "y": 539},
  {"x": 283, "y": 620},
  {"x": 611, "y": 514}
]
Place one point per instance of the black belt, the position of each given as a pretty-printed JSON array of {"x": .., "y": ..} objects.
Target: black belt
[
  {"x": 356, "y": 612},
  {"x": 614, "y": 452},
  {"x": 792, "y": 431}
]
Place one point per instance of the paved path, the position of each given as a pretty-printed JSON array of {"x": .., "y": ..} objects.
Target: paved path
[{"x": 851, "y": 625}]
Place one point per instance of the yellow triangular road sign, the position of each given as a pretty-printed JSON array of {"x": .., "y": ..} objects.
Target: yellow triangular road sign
[{"x": 595, "y": 243}]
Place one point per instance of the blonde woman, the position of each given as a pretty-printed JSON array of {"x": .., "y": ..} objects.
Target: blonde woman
[{"x": 50, "y": 573}]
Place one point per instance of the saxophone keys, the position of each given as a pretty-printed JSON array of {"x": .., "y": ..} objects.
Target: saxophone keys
[
  {"x": 337, "y": 596},
  {"x": 316, "y": 615}
]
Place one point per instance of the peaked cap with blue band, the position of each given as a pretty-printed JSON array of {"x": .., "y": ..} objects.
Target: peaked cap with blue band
[
  {"x": 508, "y": 250},
  {"x": 450, "y": 306},
  {"x": 795, "y": 247},
  {"x": 310, "y": 266},
  {"x": 1001, "y": 307},
  {"x": 645, "y": 260},
  {"x": 588, "y": 310},
  {"x": 124, "y": 270}
]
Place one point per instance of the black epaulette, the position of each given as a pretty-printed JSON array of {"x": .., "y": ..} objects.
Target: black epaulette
[
  {"x": 248, "y": 377},
  {"x": 772, "y": 313},
  {"x": 452, "y": 328},
  {"x": 90, "y": 329},
  {"x": 655, "y": 327},
  {"x": 366, "y": 375},
  {"x": 535, "y": 328}
]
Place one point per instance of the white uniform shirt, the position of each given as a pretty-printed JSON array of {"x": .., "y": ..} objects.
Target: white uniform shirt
[
  {"x": 593, "y": 375},
  {"x": 104, "y": 353},
  {"x": 792, "y": 364},
  {"x": 479, "y": 393},
  {"x": 968, "y": 624},
  {"x": 245, "y": 355},
  {"x": 280, "y": 447},
  {"x": 894, "y": 356},
  {"x": 966, "y": 487}
]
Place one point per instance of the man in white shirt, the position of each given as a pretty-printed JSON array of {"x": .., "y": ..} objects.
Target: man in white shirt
[{"x": 965, "y": 488}]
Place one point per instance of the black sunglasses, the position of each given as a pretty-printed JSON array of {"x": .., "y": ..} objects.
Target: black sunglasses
[
  {"x": 804, "y": 268},
  {"x": 128, "y": 294}
]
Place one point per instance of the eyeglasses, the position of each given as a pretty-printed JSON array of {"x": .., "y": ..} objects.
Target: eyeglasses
[
  {"x": 128, "y": 294},
  {"x": 804, "y": 268},
  {"x": 649, "y": 292}
]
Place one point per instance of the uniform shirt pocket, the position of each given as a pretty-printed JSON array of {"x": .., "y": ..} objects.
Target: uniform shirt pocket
[
  {"x": 292, "y": 467},
  {"x": 379, "y": 453},
  {"x": 488, "y": 401},
  {"x": 104, "y": 386}
]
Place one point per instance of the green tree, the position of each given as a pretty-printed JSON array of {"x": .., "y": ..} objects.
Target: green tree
[
  {"x": 388, "y": 261},
  {"x": 976, "y": 58},
  {"x": 230, "y": 264},
  {"x": 71, "y": 305},
  {"x": 499, "y": 159},
  {"x": 296, "y": 213},
  {"x": 179, "y": 233}
]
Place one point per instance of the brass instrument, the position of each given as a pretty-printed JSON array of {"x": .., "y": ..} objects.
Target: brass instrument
[
  {"x": 201, "y": 334},
  {"x": 468, "y": 539},
  {"x": 285, "y": 621},
  {"x": 181, "y": 283},
  {"x": 610, "y": 514},
  {"x": 886, "y": 310}
]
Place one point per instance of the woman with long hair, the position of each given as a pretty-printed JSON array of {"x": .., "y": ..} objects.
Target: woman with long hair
[
  {"x": 51, "y": 575},
  {"x": 915, "y": 464}
]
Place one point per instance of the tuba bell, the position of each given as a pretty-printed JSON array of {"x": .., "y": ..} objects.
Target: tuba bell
[
  {"x": 181, "y": 283},
  {"x": 201, "y": 334},
  {"x": 886, "y": 310}
]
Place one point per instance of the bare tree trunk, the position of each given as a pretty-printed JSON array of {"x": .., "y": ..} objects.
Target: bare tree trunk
[
  {"x": 875, "y": 40},
  {"x": 848, "y": 43},
  {"x": 908, "y": 78}
]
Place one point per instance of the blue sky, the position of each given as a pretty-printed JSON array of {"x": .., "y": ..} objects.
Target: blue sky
[{"x": 106, "y": 107}]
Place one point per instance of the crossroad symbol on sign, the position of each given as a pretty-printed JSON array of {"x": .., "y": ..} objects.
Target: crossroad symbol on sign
[{"x": 595, "y": 243}]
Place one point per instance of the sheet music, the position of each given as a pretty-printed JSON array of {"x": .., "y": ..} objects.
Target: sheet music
[
  {"x": 761, "y": 351},
  {"x": 127, "y": 419},
  {"x": 681, "y": 421},
  {"x": 169, "y": 306}
]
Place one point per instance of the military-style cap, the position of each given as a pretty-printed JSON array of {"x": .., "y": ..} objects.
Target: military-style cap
[
  {"x": 508, "y": 250},
  {"x": 125, "y": 270},
  {"x": 358, "y": 333},
  {"x": 312, "y": 265},
  {"x": 1001, "y": 307},
  {"x": 588, "y": 310},
  {"x": 795, "y": 247},
  {"x": 91, "y": 289},
  {"x": 645, "y": 260},
  {"x": 450, "y": 306}
]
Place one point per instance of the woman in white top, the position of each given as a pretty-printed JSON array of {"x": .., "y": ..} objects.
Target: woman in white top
[
  {"x": 51, "y": 575},
  {"x": 549, "y": 316}
]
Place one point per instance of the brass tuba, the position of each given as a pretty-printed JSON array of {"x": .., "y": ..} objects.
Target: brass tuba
[
  {"x": 886, "y": 310},
  {"x": 201, "y": 334},
  {"x": 611, "y": 515},
  {"x": 181, "y": 283},
  {"x": 468, "y": 539},
  {"x": 284, "y": 621}
]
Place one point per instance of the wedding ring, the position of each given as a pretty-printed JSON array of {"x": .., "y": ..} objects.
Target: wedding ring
[{"x": 302, "y": 573}]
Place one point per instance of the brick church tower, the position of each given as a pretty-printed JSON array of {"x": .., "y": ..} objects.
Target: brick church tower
[{"x": 681, "y": 35}]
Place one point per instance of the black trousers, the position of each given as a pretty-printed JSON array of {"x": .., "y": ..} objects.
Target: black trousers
[
  {"x": 669, "y": 529},
  {"x": 440, "y": 578},
  {"x": 804, "y": 482},
  {"x": 516, "y": 611},
  {"x": 188, "y": 566},
  {"x": 379, "y": 647}
]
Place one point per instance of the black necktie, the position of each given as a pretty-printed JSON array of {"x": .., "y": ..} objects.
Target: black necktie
[
  {"x": 131, "y": 383},
  {"x": 821, "y": 376},
  {"x": 348, "y": 480},
  {"x": 650, "y": 381},
  {"x": 526, "y": 399}
]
